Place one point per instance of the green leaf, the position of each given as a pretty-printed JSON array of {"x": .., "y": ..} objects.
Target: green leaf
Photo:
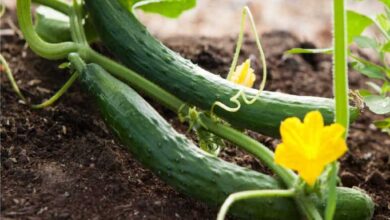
[
  {"x": 364, "y": 92},
  {"x": 167, "y": 8},
  {"x": 366, "y": 42},
  {"x": 378, "y": 104},
  {"x": 370, "y": 71},
  {"x": 383, "y": 22},
  {"x": 304, "y": 50},
  {"x": 385, "y": 88},
  {"x": 386, "y": 47},
  {"x": 374, "y": 86},
  {"x": 386, "y": 3},
  {"x": 385, "y": 123},
  {"x": 357, "y": 23}
]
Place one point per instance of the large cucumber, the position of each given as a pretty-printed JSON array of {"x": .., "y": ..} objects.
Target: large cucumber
[
  {"x": 182, "y": 165},
  {"x": 129, "y": 40}
]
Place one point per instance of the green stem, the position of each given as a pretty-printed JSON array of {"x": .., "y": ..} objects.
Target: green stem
[
  {"x": 11, "y": 78},
  {"x": 340, "y": 82},
  {"x": 58, "y": 94},
  {"x": 60, "y": 6},
  {"x": 76, "y": 24},
  {"x": 251, "y": 146},
  {"x": 251, "y": 194},
  {"x": 366, "y": 62},
  {"x": 39, "y": 46},
  {"x": 133, "y": 79}
]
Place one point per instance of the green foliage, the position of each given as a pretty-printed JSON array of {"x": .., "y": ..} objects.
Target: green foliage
[
  {"x": 378, "y": 104},
  {"x": 386, "y": 3},
  {"x": 357, "y": 23},
  {"x": 376, "y": 97},
  {"x": 384, "y": 125},
  {"x": 365, "y": 42},
  {"x": 167, "y": 8},
  {"x": 313, "y": 51}
]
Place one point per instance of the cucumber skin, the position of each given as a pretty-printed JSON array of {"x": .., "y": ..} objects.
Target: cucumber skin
[
  {"x": 178, "y": 162},
  {"x": 129, "y": 40}
]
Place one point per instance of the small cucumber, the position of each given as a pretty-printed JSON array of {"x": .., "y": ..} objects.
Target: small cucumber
[
  {"x": 178, "y": 162},
  {"x": 54, "y": 27},
  {"x": 129, "y": 40}
]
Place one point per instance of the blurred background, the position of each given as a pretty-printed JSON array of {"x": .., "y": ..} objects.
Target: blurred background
[{"x": 308, "y": 19}]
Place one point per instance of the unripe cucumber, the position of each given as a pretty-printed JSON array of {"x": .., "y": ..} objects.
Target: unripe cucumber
[
  {"x": 178, "y": 162},
  {"x": 133, "y": 45}
]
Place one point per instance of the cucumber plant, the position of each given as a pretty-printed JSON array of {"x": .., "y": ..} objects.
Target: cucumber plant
[
  {"x": 131, "y": 42},
  {"x": 174, "y": 158}
]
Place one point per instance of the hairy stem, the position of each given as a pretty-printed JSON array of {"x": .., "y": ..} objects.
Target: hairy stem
[
  {"x": 60, "y": 6},
  {"x": 340, "y": 87}
]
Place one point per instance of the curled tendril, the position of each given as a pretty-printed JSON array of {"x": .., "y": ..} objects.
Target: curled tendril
[{"x": 241, "y": 93}]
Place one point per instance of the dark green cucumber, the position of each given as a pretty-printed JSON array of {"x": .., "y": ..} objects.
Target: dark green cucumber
[
  {"x": 129, "y": 40},
  {"x": 54, "y": 27},
  {"x": 182, "y": 165}
]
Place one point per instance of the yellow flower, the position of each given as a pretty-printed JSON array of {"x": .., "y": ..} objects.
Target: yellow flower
[
  {"x": 243, "y": 75},
  {"x": 309, "y": 146}
]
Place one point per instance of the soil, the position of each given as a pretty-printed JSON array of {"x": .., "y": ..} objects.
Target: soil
[{"x": 63, "y": 163}]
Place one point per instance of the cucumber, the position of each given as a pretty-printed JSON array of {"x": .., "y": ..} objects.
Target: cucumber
[
  {"x": 133, "y": 45},
  {"x": 178, "y": 162},
  {"x": 53, "y": 26}
]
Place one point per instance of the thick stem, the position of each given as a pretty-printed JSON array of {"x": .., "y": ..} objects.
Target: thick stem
[
  {"x": 39, "y": 46},
  {"x": 340, "y": 83},
  {"x": 60, "y": 6},
  {"x": 133, "y": 79}
]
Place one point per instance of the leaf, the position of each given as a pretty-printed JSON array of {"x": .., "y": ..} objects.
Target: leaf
[
  {"x": 385, "y": 123},
  {"x": 366, "y": 42},
  {"x": 386, "y": 3},
  {"x": 167, "y": 8},
  {"x": 385, "y": 88},
  {"x": 378, "y": 104},
  {"x": 357, "y": 23},
  {"x": 374, "y": 86},
  {"x": 386, "y": 47},
  {"x": 304, "y": 50},
  {"x": 383, "y": 22},
  {"x": 364, "y": 92},
  {"x": 370, "y": 71}
]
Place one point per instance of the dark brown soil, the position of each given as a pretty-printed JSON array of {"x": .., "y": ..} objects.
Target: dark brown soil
[{"x": 63, "y": 163}]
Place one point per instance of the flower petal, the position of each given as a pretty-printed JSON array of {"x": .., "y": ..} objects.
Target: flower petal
[
  {"x": 291, "y": 132},
  {"x": 286, "y": 157},
  {"x": 311, "y": 171},
  {"x": 334, "y": 151},
  {"x": 333, "y": 144},
  {"x": 313, "y": 125}
]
